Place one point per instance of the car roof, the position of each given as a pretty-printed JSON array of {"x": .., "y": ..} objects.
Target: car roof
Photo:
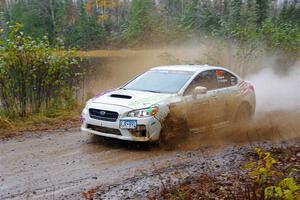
[{"x": 191, "y": 68}]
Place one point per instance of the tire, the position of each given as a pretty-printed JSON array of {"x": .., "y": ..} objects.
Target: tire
[
  {"x": 173, "y": 129},
  {"x": 243, "y": 113}
]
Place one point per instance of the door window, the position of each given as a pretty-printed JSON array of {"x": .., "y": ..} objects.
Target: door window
[
  {"x": 205, "y": 79},
  {"x": 225, "y": 79}
]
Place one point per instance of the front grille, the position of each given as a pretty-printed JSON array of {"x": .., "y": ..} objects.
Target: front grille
[
  {"x": 104, "y": 129},
  {"x": 104, "y": 115}
]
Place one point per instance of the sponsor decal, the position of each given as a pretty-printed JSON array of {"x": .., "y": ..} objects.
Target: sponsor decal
[{"x": 148, "y": 101}]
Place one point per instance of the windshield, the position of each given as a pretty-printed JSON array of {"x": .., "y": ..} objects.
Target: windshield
[{"x": 160, "y": 81}]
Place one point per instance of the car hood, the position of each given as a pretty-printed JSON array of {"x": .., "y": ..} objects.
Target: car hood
[{"x": 130, "y": 98}]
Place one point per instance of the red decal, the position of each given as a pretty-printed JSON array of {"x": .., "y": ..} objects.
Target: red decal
[{"x": 245, "y": 88}]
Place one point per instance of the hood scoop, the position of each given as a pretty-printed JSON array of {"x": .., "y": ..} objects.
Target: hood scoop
[{"x": 121, "y": 96}]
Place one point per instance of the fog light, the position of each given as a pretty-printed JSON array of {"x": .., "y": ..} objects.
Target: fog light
[
  {"x": 140, "y": 131},
  {"x": 141, "y": 128}
]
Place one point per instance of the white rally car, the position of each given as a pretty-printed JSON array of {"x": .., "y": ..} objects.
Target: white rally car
[{"x": 165, "y": 97}]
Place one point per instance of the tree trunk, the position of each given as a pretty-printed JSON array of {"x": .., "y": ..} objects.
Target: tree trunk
[{"x": 53, "y": 22}]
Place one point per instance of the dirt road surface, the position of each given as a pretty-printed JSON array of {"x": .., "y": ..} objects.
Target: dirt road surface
[{"x": 63, "y": 164}]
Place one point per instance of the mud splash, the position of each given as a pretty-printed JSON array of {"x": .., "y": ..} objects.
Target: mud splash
[
  {"x": 268, "y": 126},
  {"x": 278, "y": 92}
]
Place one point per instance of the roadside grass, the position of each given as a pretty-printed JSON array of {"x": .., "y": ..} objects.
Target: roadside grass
[
  {"x": 45, "y": 120},
  {"x": 105, "y": 53}
]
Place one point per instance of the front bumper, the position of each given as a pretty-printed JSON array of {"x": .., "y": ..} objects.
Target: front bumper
[{"x": 111, "y": 129}]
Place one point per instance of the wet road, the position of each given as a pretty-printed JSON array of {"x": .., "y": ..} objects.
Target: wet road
[{"x": 63, "y": 164}]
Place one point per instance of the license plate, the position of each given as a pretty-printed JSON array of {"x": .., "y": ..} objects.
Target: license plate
[{"x": 128, "y": 124}]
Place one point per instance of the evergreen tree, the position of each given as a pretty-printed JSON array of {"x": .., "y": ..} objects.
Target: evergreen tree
[
  {"x": 140, "y": 26},
  {"x": 97, "y": 23},
  {"x": 234, "y": 13},
  {"x": 290, "y": 12},
  {"x": 249, "y": 15},
  {"x": 263, "y": 7},
  {"x": 86, "y": 32},
  {"x": 2, "y": 15}
]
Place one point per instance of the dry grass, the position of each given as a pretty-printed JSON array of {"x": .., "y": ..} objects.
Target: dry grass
[
  {"x": 63, "y": 119},
  {"x": 104, "y": 53}
]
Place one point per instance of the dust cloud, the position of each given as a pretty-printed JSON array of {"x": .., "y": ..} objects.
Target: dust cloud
[{"x": 277, "y": 92}]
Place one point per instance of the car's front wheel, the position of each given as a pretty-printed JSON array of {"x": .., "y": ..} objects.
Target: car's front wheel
[{"x": 173, "y": 130}]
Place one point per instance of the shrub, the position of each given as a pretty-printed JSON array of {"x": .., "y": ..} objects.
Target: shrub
[
  {"x": 271, "y": 182},
  {"x": 33, "y": 74}
]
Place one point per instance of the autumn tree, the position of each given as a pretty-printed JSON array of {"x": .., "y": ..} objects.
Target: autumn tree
[{"x": 102, "y": 8}]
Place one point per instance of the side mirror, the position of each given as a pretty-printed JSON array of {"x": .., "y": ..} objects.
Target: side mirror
[{"x": 199, "y": 90}]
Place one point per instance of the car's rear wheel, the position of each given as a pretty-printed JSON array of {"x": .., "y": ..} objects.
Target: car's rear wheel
[{"x": 243, "y": 113}]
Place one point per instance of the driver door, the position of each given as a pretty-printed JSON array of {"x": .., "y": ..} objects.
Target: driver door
[{"x": 201, "y": 108}]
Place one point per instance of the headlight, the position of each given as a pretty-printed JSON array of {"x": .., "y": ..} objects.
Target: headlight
[
  {"x": 147, "y": 112},
  {"x": 85, "y": 111},
  {"x": 88, "y": 102}
]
